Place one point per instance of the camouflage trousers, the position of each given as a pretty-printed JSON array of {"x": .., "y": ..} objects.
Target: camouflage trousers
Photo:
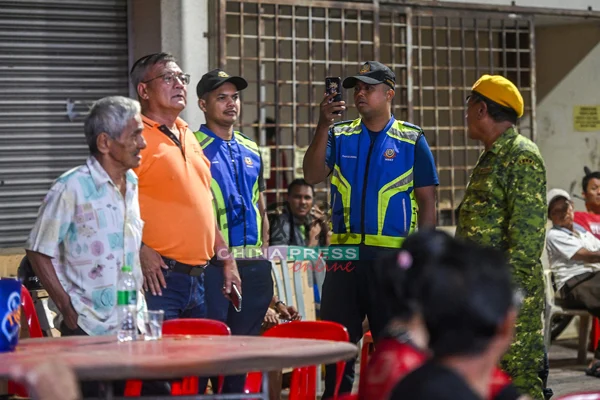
[{"x": 525, "y": 359}]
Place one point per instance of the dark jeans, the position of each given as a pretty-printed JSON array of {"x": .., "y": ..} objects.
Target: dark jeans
[
  {"x": 183, "y": 297},
  {"x": 257, "y": 292},
  {"x": 583, "y": 291},
  {"x": 92, "y": 388},
  {"x": 349, "y": 295}
]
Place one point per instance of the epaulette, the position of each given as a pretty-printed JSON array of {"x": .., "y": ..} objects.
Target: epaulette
[
  {"x": 244, "y": 136},
  {"x": 413, "y": 126}
]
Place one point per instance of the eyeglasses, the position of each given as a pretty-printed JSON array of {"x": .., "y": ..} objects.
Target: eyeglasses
[{"x": 169, "y": 76}]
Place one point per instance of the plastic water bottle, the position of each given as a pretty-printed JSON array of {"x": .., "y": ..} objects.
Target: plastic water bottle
[{"x": 127, "y": 305}]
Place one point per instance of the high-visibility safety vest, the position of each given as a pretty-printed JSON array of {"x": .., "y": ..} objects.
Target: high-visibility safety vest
[
  {"x": 372, "y": 185},
  {"x": 235, "y": 168}
]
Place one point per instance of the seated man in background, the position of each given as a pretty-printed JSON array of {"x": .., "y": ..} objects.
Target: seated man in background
[
  {"x": 574, "y": 256},
  {"x": 590, "y": 219},
  {"x": 299, "y": 223},
  {"x": 277, "y": 312}
]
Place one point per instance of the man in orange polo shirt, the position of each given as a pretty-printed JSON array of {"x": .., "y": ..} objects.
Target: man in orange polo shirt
[{"x": 180, "y": 233}]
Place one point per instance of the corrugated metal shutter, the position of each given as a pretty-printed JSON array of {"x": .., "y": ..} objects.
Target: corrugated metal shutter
[{"x": 53, "y": 54}]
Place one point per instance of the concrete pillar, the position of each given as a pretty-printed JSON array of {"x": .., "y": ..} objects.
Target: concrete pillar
[{"x": 179, "y": 27}]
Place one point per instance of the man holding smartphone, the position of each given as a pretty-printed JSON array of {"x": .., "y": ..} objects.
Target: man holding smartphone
[
  {"x": 237, "y": 185},
  {"x": 383, "y": 180}
]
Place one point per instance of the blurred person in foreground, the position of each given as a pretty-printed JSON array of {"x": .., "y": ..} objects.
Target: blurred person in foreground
[
  {"x": 463, "y": 295},
  {"x": 404, "y": 345},
  {"x": 48, "y": 380}
]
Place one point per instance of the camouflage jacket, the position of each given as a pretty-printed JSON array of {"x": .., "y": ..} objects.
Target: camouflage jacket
[{"x": 505, "y": 206}]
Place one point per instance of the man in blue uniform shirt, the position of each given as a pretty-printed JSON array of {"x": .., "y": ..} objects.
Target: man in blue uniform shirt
[
  {"x": 383, "y": 180},
  {"x": 237, "y": 185}
]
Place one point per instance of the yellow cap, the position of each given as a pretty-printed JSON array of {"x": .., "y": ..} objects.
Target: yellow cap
[{"x": 500, "y": 90}]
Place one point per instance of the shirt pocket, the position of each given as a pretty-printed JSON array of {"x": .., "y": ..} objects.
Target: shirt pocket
[{"x": 479, "y": 196}]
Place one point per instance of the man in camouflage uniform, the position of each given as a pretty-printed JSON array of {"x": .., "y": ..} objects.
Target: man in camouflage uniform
[{"x": 505, "y": 207}]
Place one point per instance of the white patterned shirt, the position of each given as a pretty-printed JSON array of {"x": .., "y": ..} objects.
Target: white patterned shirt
[{"x": 90, "y": 232}]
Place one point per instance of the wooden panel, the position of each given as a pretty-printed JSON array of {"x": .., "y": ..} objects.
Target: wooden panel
[{"x": 9, "y": 263}]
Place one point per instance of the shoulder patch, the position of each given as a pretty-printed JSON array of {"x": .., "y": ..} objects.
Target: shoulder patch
[
  {"x": 413, "y": 126},
  {"x": 527, "y": 161},
  {"x": 246, "y": 141},
  {"x": 242, "y": 135}
]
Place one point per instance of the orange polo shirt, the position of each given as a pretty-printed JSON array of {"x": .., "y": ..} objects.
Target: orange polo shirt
[{"x": 175, "y": 196}]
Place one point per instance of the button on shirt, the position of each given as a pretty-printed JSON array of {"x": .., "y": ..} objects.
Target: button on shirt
[
  {"x": 562, "y": 244},
  {"x": 90, "y": 231}
]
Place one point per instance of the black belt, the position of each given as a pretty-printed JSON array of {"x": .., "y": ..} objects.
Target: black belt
[{"x": 191, "y": 270}]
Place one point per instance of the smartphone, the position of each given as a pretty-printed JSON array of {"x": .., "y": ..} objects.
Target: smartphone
[
  {"x": 334, "y": 84},
  {"x": 236, "y": 298}
]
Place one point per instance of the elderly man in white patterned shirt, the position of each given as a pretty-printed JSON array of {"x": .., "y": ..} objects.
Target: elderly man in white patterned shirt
[{"x": 89, "y": 224}]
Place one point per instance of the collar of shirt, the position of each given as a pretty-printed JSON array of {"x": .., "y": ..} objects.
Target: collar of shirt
[
  {"x": 506, "y": 137},
  {"x": 101, "y": 177},
  {"x": 204, "y": 129},
  {"x": 372, "y": 134},
  {"x": 181, "y": 124},
  {"x": 576, "y": 229}
]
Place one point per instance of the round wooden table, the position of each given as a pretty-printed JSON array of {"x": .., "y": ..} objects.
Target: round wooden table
[{"x": 102, "y": 358}]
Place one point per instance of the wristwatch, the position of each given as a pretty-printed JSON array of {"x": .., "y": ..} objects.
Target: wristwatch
[{"x": 278, "y": 303}]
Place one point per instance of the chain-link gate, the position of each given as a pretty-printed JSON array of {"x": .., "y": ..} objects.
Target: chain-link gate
[{"x": 285, "y": 52}]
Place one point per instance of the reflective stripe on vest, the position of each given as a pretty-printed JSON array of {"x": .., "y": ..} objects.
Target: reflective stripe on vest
[
  {"x": 390, "y": 208},
  {"x": 234, "y": 186}
]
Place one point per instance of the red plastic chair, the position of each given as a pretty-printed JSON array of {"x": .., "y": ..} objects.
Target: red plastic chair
[
  {"x": 187, "y": 326},
  {"x": 367, "y": 348},
  {"x": 303, "y": 384},
  {"x": 581, "y": 396},
  {"x": 347, "y": 396},
  {"x": 35, "y": 331},
  {"x": 594, "y": 334}
]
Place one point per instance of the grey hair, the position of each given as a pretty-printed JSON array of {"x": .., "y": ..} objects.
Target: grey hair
[
  {"x": 109, "y": 115},
  {"x": 142, "y": 65}
]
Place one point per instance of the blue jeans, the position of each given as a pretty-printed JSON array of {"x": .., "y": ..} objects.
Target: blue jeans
[
  {"x": 183, "y": 297},
  {"x": 257, "y": 292}
]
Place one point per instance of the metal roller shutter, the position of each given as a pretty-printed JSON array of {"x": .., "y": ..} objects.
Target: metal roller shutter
[{"x": 56, "y": 58}]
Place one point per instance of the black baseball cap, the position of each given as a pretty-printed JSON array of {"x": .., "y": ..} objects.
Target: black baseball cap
[
  {"x": 372, "y": 73},
  {"x": 215, "y": 78}
]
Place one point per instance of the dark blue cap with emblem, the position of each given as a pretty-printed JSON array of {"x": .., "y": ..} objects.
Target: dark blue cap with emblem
[{"x": 372, "y": 73}]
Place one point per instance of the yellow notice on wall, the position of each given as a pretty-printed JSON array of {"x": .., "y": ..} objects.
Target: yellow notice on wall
[
  {"x": 265, "y": 152},
  {"x": 299, "y": 153},
  {"x": 586, "y": 118}
]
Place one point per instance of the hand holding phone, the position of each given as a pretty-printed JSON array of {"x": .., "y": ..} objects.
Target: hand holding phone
[
  {"x": 334, "y": 85},
  {"x": 236, "y": 298}
]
